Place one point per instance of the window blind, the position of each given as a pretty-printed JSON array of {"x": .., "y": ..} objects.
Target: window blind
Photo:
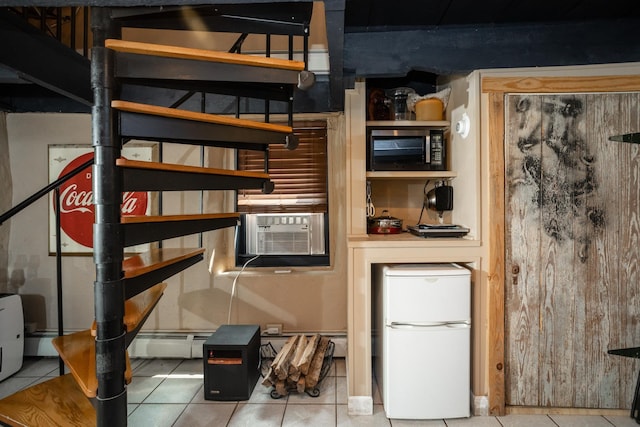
[{"x": 299, "y": 176}]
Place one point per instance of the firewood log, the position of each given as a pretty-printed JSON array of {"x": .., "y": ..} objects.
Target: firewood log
[
  {"x": 294, "y": 369},
  {"x": 310, "y": 349},
  {"x": 301, "y": 384},
  {"x": 269, "y": 378},
  {"x": 313, "y": 376},
  {"x": 281, "y": 388},
  {"x": 272, "y": 376},
  {"x": 281, "y": 368}
]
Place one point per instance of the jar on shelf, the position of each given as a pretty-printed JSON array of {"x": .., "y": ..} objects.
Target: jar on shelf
[{"x": 399, "y": 105}]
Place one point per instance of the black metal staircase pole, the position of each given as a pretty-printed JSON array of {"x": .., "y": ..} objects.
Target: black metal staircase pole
[{"x": 111, "y": 402}]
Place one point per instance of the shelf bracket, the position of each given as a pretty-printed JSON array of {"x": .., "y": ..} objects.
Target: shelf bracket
[{"x": 633, "y": 138}]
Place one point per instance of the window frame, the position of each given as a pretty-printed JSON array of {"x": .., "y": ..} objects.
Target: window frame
[{"x": 288, "y": 260}]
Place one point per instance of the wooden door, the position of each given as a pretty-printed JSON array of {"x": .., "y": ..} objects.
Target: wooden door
[{"x": 572, "y": 227}]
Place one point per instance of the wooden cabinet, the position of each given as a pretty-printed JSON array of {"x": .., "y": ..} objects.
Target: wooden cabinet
[{"x": 402, "y": 194}]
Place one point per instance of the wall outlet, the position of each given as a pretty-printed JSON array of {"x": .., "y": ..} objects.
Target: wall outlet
[{"x": 273, "y": 329}]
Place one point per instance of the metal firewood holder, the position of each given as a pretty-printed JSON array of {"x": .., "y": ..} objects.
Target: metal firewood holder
[{"x": 268, "y": 354}]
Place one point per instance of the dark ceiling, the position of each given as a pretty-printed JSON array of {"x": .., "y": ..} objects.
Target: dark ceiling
[
  {"x": 384, "y": 15},
  {"x": 395, "y": 41},
  {"x": 384, "y": 39}
]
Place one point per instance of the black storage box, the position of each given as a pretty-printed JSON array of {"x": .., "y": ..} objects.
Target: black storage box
[{"x": 231, "y": 357}]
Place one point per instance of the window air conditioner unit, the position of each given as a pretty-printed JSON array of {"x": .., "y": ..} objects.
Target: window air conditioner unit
[{"x": 285, "y": 234}]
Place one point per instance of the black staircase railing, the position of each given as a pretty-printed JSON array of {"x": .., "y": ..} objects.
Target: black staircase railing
[
  {"x": 54, "y": 186},
  {"x": 43, "y": 192}
]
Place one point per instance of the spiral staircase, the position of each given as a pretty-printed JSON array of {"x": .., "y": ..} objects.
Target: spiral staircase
[{"x": 127, "y": 289}]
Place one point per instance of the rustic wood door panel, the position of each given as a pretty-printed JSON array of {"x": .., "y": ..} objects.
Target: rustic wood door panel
[{"x": 572, "y": 249}]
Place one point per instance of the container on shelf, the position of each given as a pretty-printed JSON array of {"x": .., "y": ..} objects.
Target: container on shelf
[{"x": 430, "y": 109}]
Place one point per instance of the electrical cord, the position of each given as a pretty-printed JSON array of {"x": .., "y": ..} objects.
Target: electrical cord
[
  {"x": 424, "y": 203},
  {"x": 233, "y": 287}
]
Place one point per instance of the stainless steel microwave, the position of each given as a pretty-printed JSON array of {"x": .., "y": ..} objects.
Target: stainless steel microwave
[{"x": 400, "y": 149}]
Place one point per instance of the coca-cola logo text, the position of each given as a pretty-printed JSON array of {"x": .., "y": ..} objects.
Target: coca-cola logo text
[{"x": 76, "y": 203}]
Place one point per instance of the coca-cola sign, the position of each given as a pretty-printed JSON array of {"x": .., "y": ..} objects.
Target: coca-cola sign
[{"x": 77, "y": 213}]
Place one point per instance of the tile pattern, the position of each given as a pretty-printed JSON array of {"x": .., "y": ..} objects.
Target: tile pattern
[{"x": 169, "y": 393}]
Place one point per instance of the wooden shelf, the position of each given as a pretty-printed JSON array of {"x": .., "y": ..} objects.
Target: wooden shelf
[
  {"x": 406, "y": 239},
  {"x": 410, "y": 174}
]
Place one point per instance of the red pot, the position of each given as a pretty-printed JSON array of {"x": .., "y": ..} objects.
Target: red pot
[{"x": 384, "y": 224}]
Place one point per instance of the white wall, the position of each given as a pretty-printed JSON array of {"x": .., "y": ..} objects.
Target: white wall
[{"x": 29, "y": 135}]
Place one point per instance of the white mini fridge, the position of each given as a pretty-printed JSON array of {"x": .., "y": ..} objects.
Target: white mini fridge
[{"x": 422, "y": 336}]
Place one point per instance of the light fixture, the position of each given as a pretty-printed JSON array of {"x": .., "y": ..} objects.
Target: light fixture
[{"x": 463, "y": 126}]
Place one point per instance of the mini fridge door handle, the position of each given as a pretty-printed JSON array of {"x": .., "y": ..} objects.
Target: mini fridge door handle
[
  {"x": 417, "y": 325},
  {"x": 459, "y": 325},
  {"x": 412, "y": 325}
]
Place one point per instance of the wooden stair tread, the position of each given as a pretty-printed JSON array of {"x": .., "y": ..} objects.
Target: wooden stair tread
[
  {"x": 137, "y": 164},
  {"x": 55, "y": 402},
  {"x": 201, "y": 55},
  {"x": 137, "y": 308},
  {"x": 78, "y": 351},
  {"x": 134, "y": 107},
  {"x": 169, "y": 218},
  {"x": 155, "y": 259},
  {"x": 144, "y": 229}
]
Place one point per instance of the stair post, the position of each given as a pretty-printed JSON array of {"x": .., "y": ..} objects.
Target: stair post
[{"x": 111, "y": 400}]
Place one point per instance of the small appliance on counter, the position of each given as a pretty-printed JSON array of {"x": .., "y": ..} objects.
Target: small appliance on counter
[
  {"x": 438, "y": 199},
  {"x": 384, "y": 224},
  {"x": 11, "y": 335},
  {"x": 406, "y": 149},
  {"x": 438, "y": 230}
]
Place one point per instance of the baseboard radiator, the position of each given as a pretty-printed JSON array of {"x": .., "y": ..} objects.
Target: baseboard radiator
[{"x": 168, "y": 345}]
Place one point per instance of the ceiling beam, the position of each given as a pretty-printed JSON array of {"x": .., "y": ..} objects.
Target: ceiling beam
[
  {"x": 334, "y": 17},
  {"x": 461, "y": 49}
]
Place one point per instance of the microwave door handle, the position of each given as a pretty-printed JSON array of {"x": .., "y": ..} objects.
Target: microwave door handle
[{"x": 427, "y": 149}]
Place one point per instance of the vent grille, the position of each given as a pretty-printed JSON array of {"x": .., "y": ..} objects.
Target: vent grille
[
  {"x": 285, "y": 234},
  {"x": 270, "y": 242}
]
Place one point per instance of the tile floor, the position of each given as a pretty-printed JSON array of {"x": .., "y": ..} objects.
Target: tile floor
[{"x": 169, "y": 392}]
